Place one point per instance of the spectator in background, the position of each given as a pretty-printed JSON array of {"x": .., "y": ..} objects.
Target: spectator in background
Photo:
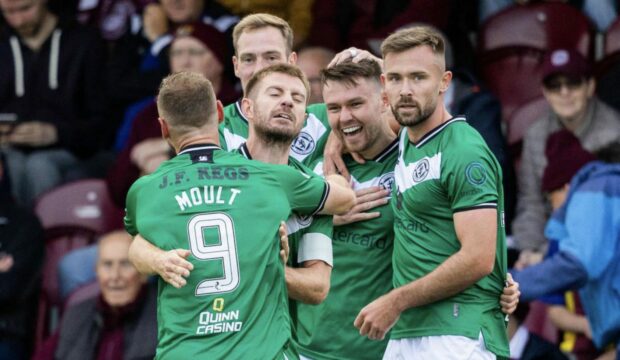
[
  {"x": 311, "y": 60},
  {"x": 586, "y": 225},
  {"x": 51, "y": 87},
  {"x": 525, "y": 345},
  {"x": 601, "y": 13},
  {"x": 140, "y": 59},
  {"x": 568, "y": 87},
  {"x": 120, "y": 323},
  {"x": 298, "y": 13},
  {"x": 21, "y": 258},
  {"x": 196, "y": 47}
]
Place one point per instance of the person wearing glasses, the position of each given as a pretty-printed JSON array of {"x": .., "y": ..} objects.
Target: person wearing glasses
[{"x": 568, "y": 86}]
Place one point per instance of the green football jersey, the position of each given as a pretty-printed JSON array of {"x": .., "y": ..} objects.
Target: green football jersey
[
  {"x": 308, "y": 145},
  {"x": 310, "y": 237},
  {"x": 362, "y": 272},
  {"x": 450, "y": 169},
  {"x": 226, "y": 210}
]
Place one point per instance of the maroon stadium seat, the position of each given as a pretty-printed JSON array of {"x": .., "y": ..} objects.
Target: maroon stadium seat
[
  {"x": 612, "y": 38},
  {"x": 538, "y": 322},
  {"x": 518, "y": 124},
  {"x": 72, "y": 215},
  {"x": 542, "y": 26}
]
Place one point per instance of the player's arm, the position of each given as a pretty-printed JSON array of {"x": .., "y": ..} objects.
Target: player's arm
[
  {"x": 341, "y": 197},
  {"x": 476, "y": 231},
  {"x": 171, "y": 265},
  {"x": 309, "y": 283}
]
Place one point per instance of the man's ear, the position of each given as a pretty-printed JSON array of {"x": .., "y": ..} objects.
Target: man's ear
[
  {"x": 247, "y": 106},
  {"x": 292, "y": 59},
  {"x": 220, "y": 111},
  {"x": 165, "y": 131},
  {"x": 445, "y": 82}
]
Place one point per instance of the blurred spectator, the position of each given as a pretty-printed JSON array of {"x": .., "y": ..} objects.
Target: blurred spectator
[
  {"x": 111, "y": 17},
  {"x": 311, "y": 60},
  {"x": 601, "y": 12},
  {"x": 199, "y": 48},
  {"x": 296, "y": 12},
  {"x": 120, "y": 323},
  {"x": 568, "y": 87},
  {"x": 51, "y": 86},
  {"x": 140, "y": 58},
  {"x": 525, "y": 345},
  {"x": 586, "y": 225},
  {"x": 21, "y": 258}
]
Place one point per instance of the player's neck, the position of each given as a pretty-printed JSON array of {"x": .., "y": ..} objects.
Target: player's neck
[
  {"x": 438, "y": 117},
  {"x": 382, "y": 141},
  {"x": 271, "y": 153},
  {"x": 205, "y": 137}
]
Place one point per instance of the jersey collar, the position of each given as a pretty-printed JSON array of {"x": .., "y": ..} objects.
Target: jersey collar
[
  {"x": 431, "y": 134},
  {"x": 198, "y": 147},
  {"x": 241, "y": 114},
  {"x": 243, "y": 149},
  {"x": 387, "y": 151}
]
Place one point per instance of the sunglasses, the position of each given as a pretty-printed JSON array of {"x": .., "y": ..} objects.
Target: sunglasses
[{"x": 556, "y": 84}]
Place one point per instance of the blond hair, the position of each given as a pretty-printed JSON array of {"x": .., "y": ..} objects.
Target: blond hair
[
  {"x": 412, "y": 37},
  {"x": 261, "y": 20},
  {"x": 283, "y": 68},
  {"x": 186, "y": 100}
]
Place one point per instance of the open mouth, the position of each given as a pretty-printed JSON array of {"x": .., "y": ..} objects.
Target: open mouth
[
  {"x": 283, "y": 116},
  {"x": 351, "y": 130}
]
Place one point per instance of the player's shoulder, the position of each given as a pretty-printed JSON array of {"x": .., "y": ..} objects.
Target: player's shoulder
[
  {"x": 459, "y": 136},
  {"x": 298, "y": 165}
]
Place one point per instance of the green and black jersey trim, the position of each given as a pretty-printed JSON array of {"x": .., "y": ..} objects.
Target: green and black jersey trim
[
  {"x": 198, "y": 147},
  {"x": 431, "y": 134},
  {"x": 241, "y": 114},
  {"x": 487, "y": 205},
  {"x": 387, "y": 151}
]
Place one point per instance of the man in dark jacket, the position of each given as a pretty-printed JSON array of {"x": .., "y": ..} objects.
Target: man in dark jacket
[
  {"x": 21, "y": 257},
  {"x": 51, "y": 98}
]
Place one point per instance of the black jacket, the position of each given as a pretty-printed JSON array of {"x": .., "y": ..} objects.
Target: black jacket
[{"x": 62, "y": 83}]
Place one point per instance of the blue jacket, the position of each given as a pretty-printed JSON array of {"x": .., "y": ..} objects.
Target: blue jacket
[{"x": 587, "y": 227}]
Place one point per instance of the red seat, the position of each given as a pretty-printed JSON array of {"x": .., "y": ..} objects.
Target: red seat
[
  {"x": 612, "y": 38},
  {"x": 518, "y": 124},
  {"x": 72, "y": 215},
  {"x": 543, "y": 26},
  {"x": 514, "y": 76},
  {"x": 538, "y": 322}
]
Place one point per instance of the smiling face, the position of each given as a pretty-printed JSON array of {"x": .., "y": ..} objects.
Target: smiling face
[
  {"x": 413, "y": 81},
  {"x": 568, "y": 97},
  {"x": 257, "y": 49},
  {"x": 276, "y": 107},
  {"x": 354, "y": 113},
  {"x": 118, "y": 279}
]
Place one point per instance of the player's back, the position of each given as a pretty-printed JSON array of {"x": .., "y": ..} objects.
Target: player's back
[{"x": 226, "y": 210}]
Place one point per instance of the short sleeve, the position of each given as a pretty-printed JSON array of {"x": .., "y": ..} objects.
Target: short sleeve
[
  {"x": 472, "y": 177},
  {"x": 306, "y": 193},
  {"x": 130, "y": 211}
]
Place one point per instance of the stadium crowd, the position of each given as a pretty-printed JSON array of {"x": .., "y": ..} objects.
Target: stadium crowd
[{"x": 78, "y": 100}]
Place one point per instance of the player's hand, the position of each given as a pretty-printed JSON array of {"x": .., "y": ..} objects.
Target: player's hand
[
  {"x": 173, "y": 267},
  {"x": 284, "y": 249},
  {"x": 510, "y": 296},
  {"x": 355, "y": 55},
  {"x": 6, "y": 262},
  {"x": 332, "y": 157},
  {"x": 528, "y": 258},
  {"x": 377, "y": 318},
  {"x": 153, "y": 163},
  {"x": 155, "y": 22},
  {"x": 146, "y": 149},
  {"x": 367, "y": 199},
  {"x": 34, "y": 133}
]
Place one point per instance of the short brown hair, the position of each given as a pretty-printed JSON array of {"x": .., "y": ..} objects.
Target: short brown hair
[
  {"x": 347, "y": 72},
  {"x": 258, "y": 21},
  {"x": 283, "y": 68},
  {"x": 412, "y": 37},
  {"x": 187, "y": 101}
]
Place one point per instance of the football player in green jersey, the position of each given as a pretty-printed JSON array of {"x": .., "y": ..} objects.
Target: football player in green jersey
[
  {"x": 261, "y": 40},
  {"x": 449, "y": 258},
  {"x": 222, "y": 211}
]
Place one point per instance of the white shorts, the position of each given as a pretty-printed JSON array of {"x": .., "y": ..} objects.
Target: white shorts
[{"x": 445, "y": 347}]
